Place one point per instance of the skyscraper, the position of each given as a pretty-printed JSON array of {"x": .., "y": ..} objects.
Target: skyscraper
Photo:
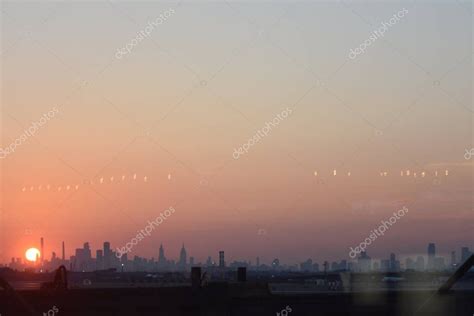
[
  {"x": 431, "y": 256},
  {"x": 221, "y": 259},
  {"x": 161, "y": 255},
  {"x": 182, "y": 258},
  {"x": 107, "y": 255},
  {"x": 99, "y": 254}
]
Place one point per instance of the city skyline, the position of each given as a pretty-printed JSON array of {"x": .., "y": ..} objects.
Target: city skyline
[{"x": 106, "y": 257}]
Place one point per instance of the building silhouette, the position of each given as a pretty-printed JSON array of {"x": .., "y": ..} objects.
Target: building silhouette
[
  {"x": 182, "y": 258},
  {"x": 431, "y": 256}
]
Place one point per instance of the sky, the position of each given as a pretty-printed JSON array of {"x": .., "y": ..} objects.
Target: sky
[{"x": 157, "y": 126}]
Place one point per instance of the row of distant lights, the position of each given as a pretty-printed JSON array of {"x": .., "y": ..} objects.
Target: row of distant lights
[
  {"x": 407, "y": 173},
  {"x": 112, "y": 179},
  {"x": 102, "y": 180}
]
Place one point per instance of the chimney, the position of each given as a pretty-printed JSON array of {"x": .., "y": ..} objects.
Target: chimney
[
  {"x": 42, "y": 250},
  {"x": 63, "y": 257}
]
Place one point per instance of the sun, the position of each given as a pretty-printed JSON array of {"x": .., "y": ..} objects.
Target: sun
[{"x": 32, "y": 254}]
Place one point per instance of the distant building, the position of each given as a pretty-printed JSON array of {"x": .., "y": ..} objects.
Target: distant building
[
  {"x": 420, "y": 263},
  {"x": 439, "y": 264},
  {"x": 99, "y": 254},
  {"x": 364, "y": 262},
  {"x": 376, "y": 266},
  {"x": 307, "y": 266},
  {"x": 343, "y": 265},
  {"x": 161, "y": 255},
  {"x": 431, "y": 256},
  {"x": 394, "y": 265},
  {"x": 182, "y": 258},
  {"x": 315, "y": 267},
  {"x": 410, "y": 264},
  {"x": 107, "y": 255},
  {"x": 221, "y": 259}
]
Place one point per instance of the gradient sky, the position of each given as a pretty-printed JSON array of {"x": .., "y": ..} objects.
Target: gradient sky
[{"x": 202, "y": 84}]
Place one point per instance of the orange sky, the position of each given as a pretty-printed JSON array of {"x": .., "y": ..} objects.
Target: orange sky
[{"x": 204, "y": 82}]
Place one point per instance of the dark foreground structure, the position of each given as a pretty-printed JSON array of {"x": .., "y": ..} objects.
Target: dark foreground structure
[
  {"x": 224, "y": 299},
  {"x": 239, "y": 297}
]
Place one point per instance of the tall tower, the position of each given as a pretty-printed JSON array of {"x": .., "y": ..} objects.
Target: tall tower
[
  {"x": 431, "y": 256},
  {"x": 221, "y": 259},
  {"x": 42, "y": 250},
  {"x": 64, "y": 253},
  {"x": 107, "y": 255},
  {"x": 183, "y": 257},
  {"x": 161, "y": 255}
]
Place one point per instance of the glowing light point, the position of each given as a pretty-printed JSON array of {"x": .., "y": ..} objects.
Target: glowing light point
[
  {"x": 68, "y": 187},
  {"x": 32, "y": 188},
  {"x": 349, "y": 174},
  {"x": 24, "y": 189},
  {"x": 446, "y": 172},
  {"x": 101, "y": 180},
  {"x": 334, "y": 172},
  {"x": 408, "y": 172},
  {"x": 423, "y": 174},
  {"x": 77, "y": 187},
  {"x": 48, "y": 187},
  {"x": 169, "y": 176},
  {"x": 315, "y": 173},
  {"x": 385, "y": 173},
  {"x": 134, "y": 176},
  {"x": 436, "y": 173},
  {"x": 145, "y": 179},
  {"x": 123, "y": 178},
  {"x": 111, "y": 179},
  {"x": 401, "y": 173}
]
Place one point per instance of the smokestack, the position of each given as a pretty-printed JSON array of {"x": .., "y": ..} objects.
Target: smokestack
[
  {"x": 42, "y": 251},
  {"x": 64, "y": 256}
]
